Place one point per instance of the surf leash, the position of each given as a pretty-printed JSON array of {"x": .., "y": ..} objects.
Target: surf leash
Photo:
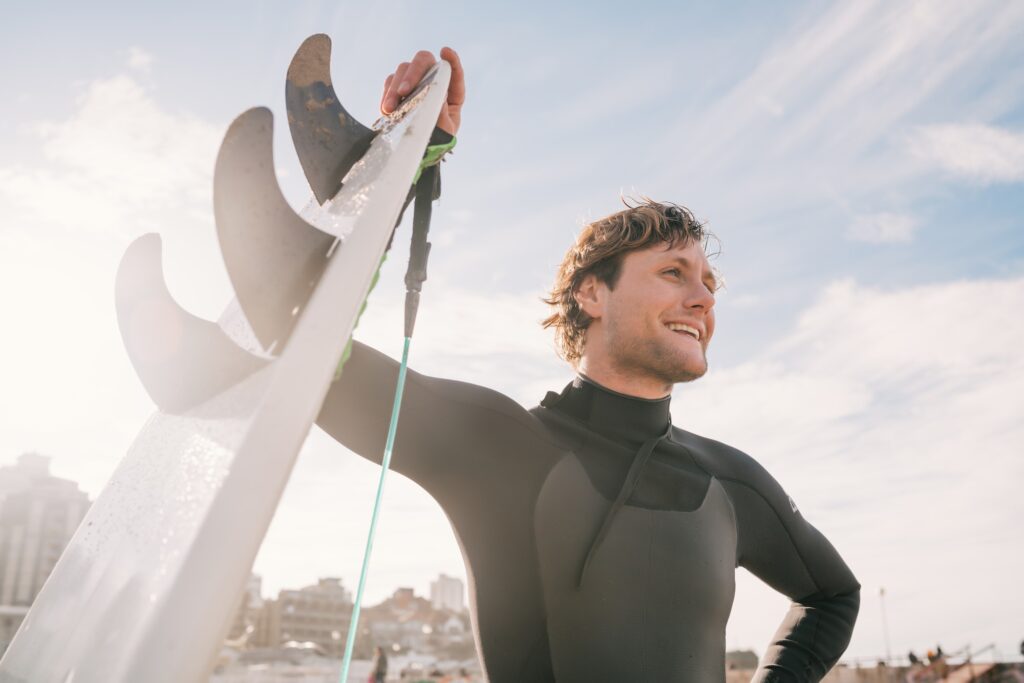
[{"x": 426, "y": 188}]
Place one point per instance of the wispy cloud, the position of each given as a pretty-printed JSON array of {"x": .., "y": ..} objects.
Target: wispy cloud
[
  {"x": 121, "y": 143},
  {"x": 851, "y": 80},
  {"x": 883, "y": 228},
  {"x": 139, "y": 59},
  {"x": 977, "y": 152},
  {"x": 120, "y": 160}
]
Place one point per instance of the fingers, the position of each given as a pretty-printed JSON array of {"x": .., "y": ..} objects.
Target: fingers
[
  {"x": 408, "y": 75},
  {"x": 451, "y": 116},
  {"x": 384, "y": 92},
  {"x": 457, "y": 85},
  {"x": 390, "y": 99},
  {"x": 419, "y": 66},
  {"x": 405, "y": 78}
]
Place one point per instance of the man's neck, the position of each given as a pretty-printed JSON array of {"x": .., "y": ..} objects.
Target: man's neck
[{"x": 630, "y": 384}]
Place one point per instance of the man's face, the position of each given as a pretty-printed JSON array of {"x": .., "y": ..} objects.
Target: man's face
[{"x": 655, "y": 325}]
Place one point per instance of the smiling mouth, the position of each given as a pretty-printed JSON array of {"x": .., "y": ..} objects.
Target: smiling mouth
[{"x": 684, "y": 329}]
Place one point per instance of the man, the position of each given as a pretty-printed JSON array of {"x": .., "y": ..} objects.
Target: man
[{"x": 600, "y": 540}]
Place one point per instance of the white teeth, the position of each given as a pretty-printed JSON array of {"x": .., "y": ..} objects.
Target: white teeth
[{"x": 679, "y": 327}]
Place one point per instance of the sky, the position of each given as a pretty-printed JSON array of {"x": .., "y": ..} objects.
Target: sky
[{"x": 861, "y": 164}]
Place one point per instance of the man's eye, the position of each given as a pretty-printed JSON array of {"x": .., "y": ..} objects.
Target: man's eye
[{"x": 671, "y": 271}]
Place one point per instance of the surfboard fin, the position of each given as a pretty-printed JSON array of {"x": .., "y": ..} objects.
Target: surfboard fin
[
  {"x": 181, "y": 359},
  {"x": 328, "y": 140},
  {"x": 273, "y": 257}
]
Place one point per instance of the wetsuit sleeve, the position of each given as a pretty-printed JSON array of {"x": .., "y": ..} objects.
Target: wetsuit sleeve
[
  {"x": 444, "y": 427},
  {"x": 779, "y": 546}
]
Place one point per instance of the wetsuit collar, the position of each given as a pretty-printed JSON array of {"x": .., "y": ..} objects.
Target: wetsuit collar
[
  {"x": 626, "y": 419},
  {"x": 641, "y": 423}
]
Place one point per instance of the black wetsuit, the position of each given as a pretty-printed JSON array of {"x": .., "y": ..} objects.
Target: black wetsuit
[{"x": 597, "y": 481}]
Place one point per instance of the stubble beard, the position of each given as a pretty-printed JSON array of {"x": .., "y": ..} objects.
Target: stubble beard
[{"x": 656, "y": 360}]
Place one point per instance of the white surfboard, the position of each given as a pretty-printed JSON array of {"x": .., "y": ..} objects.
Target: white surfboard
[{"x": 148, "y": 586}]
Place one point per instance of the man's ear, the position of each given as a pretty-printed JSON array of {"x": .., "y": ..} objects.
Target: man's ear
[{"x": 591, "y": 295}]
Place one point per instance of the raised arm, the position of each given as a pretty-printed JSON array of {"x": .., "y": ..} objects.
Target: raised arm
[
  {"x": 779, "y": 546},
  {"x": 446, "y": 428},
  {"x": 435, "y": 426}
]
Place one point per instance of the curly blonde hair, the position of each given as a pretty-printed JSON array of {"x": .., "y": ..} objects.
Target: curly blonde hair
[{"x": 600, "y": 249}]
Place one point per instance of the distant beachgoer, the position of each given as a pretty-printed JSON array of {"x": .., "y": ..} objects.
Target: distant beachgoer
[
  {"x": 380, "y": 666},
  {"x": 913, "y": 658}
]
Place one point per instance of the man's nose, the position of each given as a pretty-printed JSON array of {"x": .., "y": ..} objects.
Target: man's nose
[{"x": 700, "y": 297}]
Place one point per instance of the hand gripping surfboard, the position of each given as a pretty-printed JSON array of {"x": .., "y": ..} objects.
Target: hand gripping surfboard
[{"x": 148, "y": 586}]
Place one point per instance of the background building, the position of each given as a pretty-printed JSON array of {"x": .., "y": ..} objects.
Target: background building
[
  {"x": 38, "y": 515},
  {"x": 447, "y": 593},
  {"x": 315, "y": 614}
]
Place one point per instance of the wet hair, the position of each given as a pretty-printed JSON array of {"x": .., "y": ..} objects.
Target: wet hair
[{"x": 600, "y": 249}]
